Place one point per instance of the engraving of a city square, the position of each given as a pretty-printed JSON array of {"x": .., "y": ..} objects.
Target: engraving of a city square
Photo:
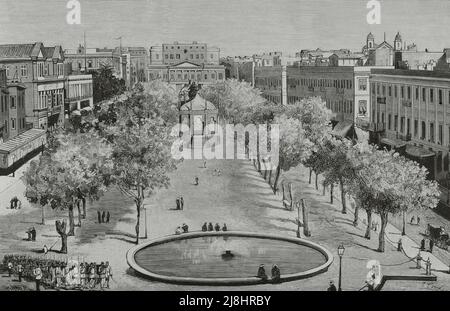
[{"x": 253, "y": 145}]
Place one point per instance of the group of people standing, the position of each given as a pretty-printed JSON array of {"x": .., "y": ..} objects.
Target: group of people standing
[
  {"x": 15, "y": 203},
  {"x": 103, "y": 217},
  {"x": 58, "y": 274},
  {"x": 210, "y": 227},
  {"x": 180, "y": 203},
  {"x": 275, "y": 278}
]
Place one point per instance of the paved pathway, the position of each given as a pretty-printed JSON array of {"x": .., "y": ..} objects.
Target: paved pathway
[{"x": 393, "y": 235}]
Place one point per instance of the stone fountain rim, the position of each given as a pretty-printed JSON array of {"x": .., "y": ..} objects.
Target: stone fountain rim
[{"x": 227, "y": 281}]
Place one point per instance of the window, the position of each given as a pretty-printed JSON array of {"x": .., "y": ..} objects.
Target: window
[
  {"x": 6, "y": 126},
  {"x": 378, "y": 88},
  {"x": 408, "y": 126},
  {"x": 12, "y": 100},
  {"x": 424, "y": 131},
  {"x": 431, "y": 95},
  {"x": 409, "y": 92},
  {"x": 395, "y": 91},
  {"x": 416, "y": 128},
  {"x": 402, "y": 124},
  {"x": 7, "y": 71},
  {"x": 178, "y": 56},
  {"x": 441, "y": 133},
  {"x": 384, "y": 90},
  {"x": 402, "y": 92},
  {"x": 171, "y": 56},
  {"x": 395, "y": 123},
  {"x": 89, "y": 63},
  {"x": 23, "y": 71},
  {"x": 206, "y": 76},
  {"x": 220, "y": 76},
  {"x": 167, "y": 56},
  {"x": 389, "y": 121},
  {"x": 157, "y": 56},
  {"x": 390, "y": 90},
  {"x": 417, "y": 93},
  {"x": 13, "y": 123},
  {"x": 201, "y": 56},
  {"x": 213, "y": 76},
  {"x": 440, "y": 97},
  {"x": 424, "y": 94},
  {"x": 432, "y": 132}
]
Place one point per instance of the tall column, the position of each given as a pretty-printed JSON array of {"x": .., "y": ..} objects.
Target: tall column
[{"x": 283, "y": 85}]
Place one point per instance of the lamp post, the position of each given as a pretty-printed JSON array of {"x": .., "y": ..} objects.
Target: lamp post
[
  {"x": 298, "y": 218},
  {"x": 341, "y": 250}
]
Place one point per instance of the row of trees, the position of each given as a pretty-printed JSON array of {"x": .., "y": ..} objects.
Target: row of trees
[
  {"x": 126, "y": 145},
  {"x": 379, "y": 181}
]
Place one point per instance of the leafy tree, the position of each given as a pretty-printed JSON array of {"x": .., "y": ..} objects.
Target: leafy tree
[
  {"x": 105, "y": 84},
  {"x": 141, "y": 153}
]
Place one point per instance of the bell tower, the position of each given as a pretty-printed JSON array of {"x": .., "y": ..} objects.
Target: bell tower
[{"x": 398, "y": 42}]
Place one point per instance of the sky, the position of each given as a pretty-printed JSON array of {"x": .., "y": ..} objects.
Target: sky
[{"x": 237, "y": 27}]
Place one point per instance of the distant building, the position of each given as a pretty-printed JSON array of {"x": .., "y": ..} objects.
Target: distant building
[
  {"x": 412, "y": 109},
  {"x": 443, "y": 63},
  {"x": 137, "y": 62},
  {"x": 82, "y": 60},
  {"x": 178, "y": 63}
]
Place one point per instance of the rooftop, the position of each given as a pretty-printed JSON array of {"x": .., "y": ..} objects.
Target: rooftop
[
  {"x": 412, "y": 73},
  {"x": 20, "y": 50}
]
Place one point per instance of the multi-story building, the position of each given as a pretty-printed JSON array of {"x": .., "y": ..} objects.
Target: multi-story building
[
  {"x": 18, "y": 142},
  {"x": 137, "y": 62},
  {"x": 412, "y": 108},
  {"x": 83, "y": 60},
  {"x": 179, "y": 63},
  {"x": 79, "y": 93},
  {"x": 41, "y": 70}
]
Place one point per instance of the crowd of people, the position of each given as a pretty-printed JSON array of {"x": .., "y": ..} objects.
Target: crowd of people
[
  {"x": 59, "y": 274},
  {"x": 210, "y": 227}
]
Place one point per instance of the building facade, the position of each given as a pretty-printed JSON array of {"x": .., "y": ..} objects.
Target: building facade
[
  {"x": 41, "y": 70},
  {"x": 137, "y": 60},
  {"x": 179, "y": 63},
  {"x": 413, "y": 107},
  {"x": 79, "y": 93}
]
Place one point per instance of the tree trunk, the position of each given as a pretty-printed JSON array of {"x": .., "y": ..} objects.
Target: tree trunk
[
  {"x": 79, "y": 214},
  {"x": 277, "y": 178},
  {"x": 43, "y": 215},
  {"x": 306, "y": 231},
  {"x": 323, "y": 193},
  {"x": 291, "y": 197},
  {"x": 270, "y": 179},
  {"x": 356, "y": 219},
  {"x": 404, "y": 223},
  {"x": 344, "y": 205},
  {"x": 310, "y": 176},
  {"x": 71, "y": 222},
  {"x": 369, "y": 224},
  {"x": 83, "y": 200},
  {"x": 317, "y": 185},
  {"x": 381, "y": 241},
  {"x": 331, "y": 193},
  {"x": 61, "y": 229}
]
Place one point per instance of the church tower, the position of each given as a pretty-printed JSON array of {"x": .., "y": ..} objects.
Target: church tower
[
  {"x": 398, "y": 42},
  {"x": 370, "y": 43}
]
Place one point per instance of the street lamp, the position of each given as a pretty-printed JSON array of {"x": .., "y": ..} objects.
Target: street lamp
[
  {"x": 298, "y": 218},
  {"x": 341, "y": 250}
]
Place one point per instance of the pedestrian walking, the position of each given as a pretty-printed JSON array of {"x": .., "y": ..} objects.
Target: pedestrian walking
[
  {"x": 99, "y": 217},
  {"x": 37, "y": 272},
  {"x": 431, "y": 245},
  {"x": 20, "y": 271},
  {"x": 204, "y": 164},
  {"x": 210, "y": 227},
  {"x": 399, "y": 245},
  {"x": 109, "y": 273},
  {"x": 10, "y": 268},
  {"x": 332, "y": 287},
  {"x": 45, "y": 249},
  {"x": 107, "y": 217},
  {"x": 196, "y": 181},
  {"x": 428, "y": 267},
  {"x": 33, "y": 234},
  {"x": 412, "y": 220},
  {"x": 418, "y": 220},
  {"x": 181, "y": 203},
  {"x": 205, "y": 227},
  {"x": 178, "y": 203},
  {"x": 422, "y": 245}
]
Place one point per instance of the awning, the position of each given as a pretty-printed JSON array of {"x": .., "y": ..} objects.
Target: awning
[
  {"x": 21, "y": 140},
  {"x": 342, "y": 128},
  {"x": 396, "y": 143},
  {"x": 419, "y": 152}
]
